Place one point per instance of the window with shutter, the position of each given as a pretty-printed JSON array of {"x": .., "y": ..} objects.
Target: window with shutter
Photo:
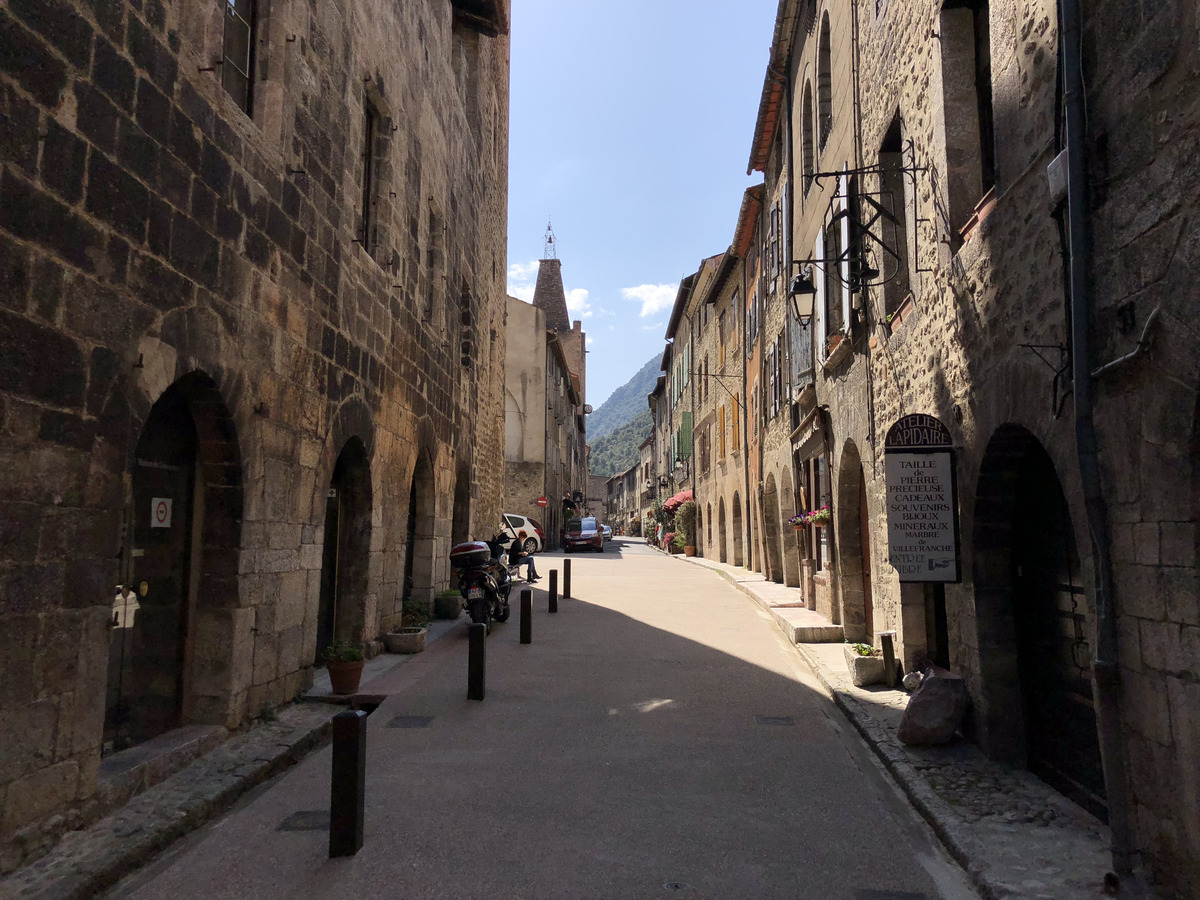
[
  {"x": 736, "y": 423},
  {"x": 721, "y": 430}
]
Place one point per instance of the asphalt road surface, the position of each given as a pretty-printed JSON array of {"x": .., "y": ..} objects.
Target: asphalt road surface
[{"x": 659, "y": 738}]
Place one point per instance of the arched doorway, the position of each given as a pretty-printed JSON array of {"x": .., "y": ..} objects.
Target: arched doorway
[
  {"x": 854, "y": 546},
  {"x": 790, "y": 537},
  {"x": 185, "y": 520},
  {"x": 738, "y": 559},
  {"x": 346, "y": 555},
  {"x": 770, "y": 508},
  {"x": 723, "y": 556},
  {"x": 419, "y": 545},
  {"x": 460, "y": 527},
  {"x": 1035, "y": 620},
  {"x": 708, "y": 519}
]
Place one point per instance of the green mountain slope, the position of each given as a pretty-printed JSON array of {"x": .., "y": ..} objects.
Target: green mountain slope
[
  {"x": 618, "y": 450},
  {"x": 626, "y": 402}
]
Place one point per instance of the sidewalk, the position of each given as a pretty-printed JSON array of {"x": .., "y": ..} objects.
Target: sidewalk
[
  {"x": 87, "y": 862},
  {"x": 1015, "y": 836}
]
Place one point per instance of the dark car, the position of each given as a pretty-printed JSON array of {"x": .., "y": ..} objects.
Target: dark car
[{"x": 583, "y": 534}]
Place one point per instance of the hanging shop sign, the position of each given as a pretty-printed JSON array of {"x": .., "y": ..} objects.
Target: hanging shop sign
[{"x": 922, "y": 507}]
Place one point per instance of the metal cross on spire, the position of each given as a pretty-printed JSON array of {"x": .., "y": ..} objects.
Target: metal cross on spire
[{"x": 551, "y": 246}]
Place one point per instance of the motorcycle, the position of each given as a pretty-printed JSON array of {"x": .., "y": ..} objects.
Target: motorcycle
[{"x": 484, "y": 579}]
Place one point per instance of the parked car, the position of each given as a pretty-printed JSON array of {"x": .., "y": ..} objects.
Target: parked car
[
  {"x": 608, "y": 532},
  {"x": 527, "y": 530},
  {"x": 583, "y": 534}
]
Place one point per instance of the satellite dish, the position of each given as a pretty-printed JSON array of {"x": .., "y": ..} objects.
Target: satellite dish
[{"x": 587, "y": 409}]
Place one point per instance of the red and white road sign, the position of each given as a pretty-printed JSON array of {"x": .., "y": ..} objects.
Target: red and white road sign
[{"x": 160, "y": 512}]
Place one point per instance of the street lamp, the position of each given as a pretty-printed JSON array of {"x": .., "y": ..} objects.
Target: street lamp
[{"x": 803, "y": 291}]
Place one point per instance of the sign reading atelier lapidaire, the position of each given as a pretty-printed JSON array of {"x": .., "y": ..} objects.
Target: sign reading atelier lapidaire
[{"x": 921, "y": 507}]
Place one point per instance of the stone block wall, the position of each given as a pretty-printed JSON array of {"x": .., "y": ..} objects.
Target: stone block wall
[{"x": 150, "y": 229}]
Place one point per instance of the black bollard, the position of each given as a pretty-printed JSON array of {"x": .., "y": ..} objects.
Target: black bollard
[
  {"x": 526, "y": 616},
  {"x": 889, "y": 657},
  {"x": 566, "y": 579},
  {"x": 476, "y": 650},
  {"x": 554, "y": 590},
  {"x": 348, "y": 787}
]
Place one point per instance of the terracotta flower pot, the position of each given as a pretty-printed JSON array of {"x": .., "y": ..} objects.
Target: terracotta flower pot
[
  {"x": 345, "y": 676},
  {"x": 689, "y": 550}
]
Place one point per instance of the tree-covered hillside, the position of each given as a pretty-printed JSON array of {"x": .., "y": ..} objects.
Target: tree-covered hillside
[
  {"x": 618, "y": 450},
  {"x": 627, "y": 401}
]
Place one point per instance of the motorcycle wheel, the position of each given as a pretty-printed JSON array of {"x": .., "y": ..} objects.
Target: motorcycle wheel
[
  {"x": 479, "y": 613},
  {"x": 529, "y": 546},
  {"x": 503, "y": 612}
]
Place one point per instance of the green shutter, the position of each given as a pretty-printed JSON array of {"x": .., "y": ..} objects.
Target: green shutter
[{"x": 685, "y": 436}]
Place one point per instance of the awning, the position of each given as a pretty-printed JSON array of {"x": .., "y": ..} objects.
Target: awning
[{"x": 677, "y": 501}]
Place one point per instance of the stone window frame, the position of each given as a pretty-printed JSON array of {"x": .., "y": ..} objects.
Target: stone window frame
[
  {"x": 246, "y": 20},
  {"x": 374, "y": 232},
  {"x": 807, "y": 138}
]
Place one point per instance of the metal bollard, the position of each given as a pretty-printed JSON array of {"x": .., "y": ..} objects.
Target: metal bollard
[
  {"x": 889, "y": 656},
  {"x": 566, "y": 579},
  {"x": 526, "y": 616},
  {"x": 554, "y": 590},
  {"x": 348, "y": 786},
  {"x": 476, "y": 652}
]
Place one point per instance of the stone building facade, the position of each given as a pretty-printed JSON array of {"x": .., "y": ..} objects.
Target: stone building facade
[
  {"x": 1018, "y": 267},
  {"x": 545, "y": 450},
  {"x": 252, "y": 338}
]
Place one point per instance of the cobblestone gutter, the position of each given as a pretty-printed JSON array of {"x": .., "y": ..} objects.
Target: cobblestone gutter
[{"x": 87, "y": 862}]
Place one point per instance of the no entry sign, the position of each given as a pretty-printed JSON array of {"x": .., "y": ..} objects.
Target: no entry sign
[
  {"x": 160, "y": 512},
  {"x": 542, "y": 501},
  {"x": 922, "y": 510}
]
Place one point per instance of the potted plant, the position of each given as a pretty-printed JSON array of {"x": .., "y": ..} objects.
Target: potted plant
[
  {"x": 447, "y": 605},
  {"x": 865, "y": 664},
  {"x": 819, "y": 517},
  {"x": 409, "y": 635},
  {"x": 669, "y": 542},
  {"x": 799, "y": 521},
  {"x": 685, "y": 517},
  {"x": 679, "y": 543},
  {"x": 344, "y": 661}
]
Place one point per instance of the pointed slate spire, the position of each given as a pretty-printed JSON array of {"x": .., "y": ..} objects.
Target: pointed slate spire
[{"x": 550, "y": 297}]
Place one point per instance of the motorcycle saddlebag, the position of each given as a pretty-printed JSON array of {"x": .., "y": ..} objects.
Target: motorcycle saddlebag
[{"x": 470, "y": 555}]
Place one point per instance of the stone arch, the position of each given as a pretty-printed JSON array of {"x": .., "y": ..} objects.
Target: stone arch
[
  {"x": 789, "y": 536},
  {"x": 346, "y": 554},
  {"x": 852, "y": 533},
  {"x": 420, "y": 533},
  {"x": 824, "y": 83},
  {"x": 738, "y": 557},
  {"x": 460, "y": 527},
  {"x": 773, "y": 550},
  {"x": 1034, "y": 620},
  {"x": 708, "y": 519},
  {"x": 722, "y": 550},
  {"x": 185, "y": 512}
]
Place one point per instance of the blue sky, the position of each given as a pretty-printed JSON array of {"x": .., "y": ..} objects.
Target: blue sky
[{"x": 630, "y": 128}]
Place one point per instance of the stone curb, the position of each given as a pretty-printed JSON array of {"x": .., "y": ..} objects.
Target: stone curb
[{"x": 85, "y": 863}]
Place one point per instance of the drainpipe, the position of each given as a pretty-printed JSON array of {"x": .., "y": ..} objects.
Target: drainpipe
[{"x": 1105, "y": 665}]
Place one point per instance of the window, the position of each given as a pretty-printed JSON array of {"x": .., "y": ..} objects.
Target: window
[
  {"x": 893, "y": 184},
  {"x": 806, "y": 136},
  {"x": 370, "y": 132},
  {"x": 237, "y": 52},
  {"x": 721, "y": 432},
  {"x": 721, "y": 340},
  {"x": 735, "y": 423},
  {"x": 824, "y": 83},
  {"x": 965, "y": 31}
]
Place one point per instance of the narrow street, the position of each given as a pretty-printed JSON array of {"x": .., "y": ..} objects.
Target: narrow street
[{"x": 659, "y": 737}]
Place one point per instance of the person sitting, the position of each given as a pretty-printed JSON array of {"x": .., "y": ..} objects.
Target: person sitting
[{"x": 517, "y": 557}]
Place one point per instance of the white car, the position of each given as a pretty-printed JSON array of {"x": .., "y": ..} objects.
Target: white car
[
  {"x": 607, "y": 532},
  {"x": 528, "y": 530}
]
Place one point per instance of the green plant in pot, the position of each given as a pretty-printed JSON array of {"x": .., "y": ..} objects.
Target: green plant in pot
[
  {"x": 685, "y": 518},
  {"x": 344, "y": 660},
  {"x": 447, "y": 605}
]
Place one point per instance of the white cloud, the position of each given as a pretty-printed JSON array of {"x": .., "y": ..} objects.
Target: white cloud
[
  {"x": 522, "y": 279},
  {"x": 655, "y": 327},
  {"x": 590, "y": 340},
  {"x": 577, "y": 303},
  {"x": 653, "y": 297}
]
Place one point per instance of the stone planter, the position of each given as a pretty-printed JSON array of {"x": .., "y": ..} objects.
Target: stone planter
[
  {"x": 405, "y": 640},
  {"x": 344, "y": 676},
  {"x": 864, "y": 670}
]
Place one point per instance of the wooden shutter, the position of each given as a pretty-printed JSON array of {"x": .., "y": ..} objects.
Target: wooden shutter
[
  {"x": 819, "y": 299},
  {"x": 844, "y": 274}
]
